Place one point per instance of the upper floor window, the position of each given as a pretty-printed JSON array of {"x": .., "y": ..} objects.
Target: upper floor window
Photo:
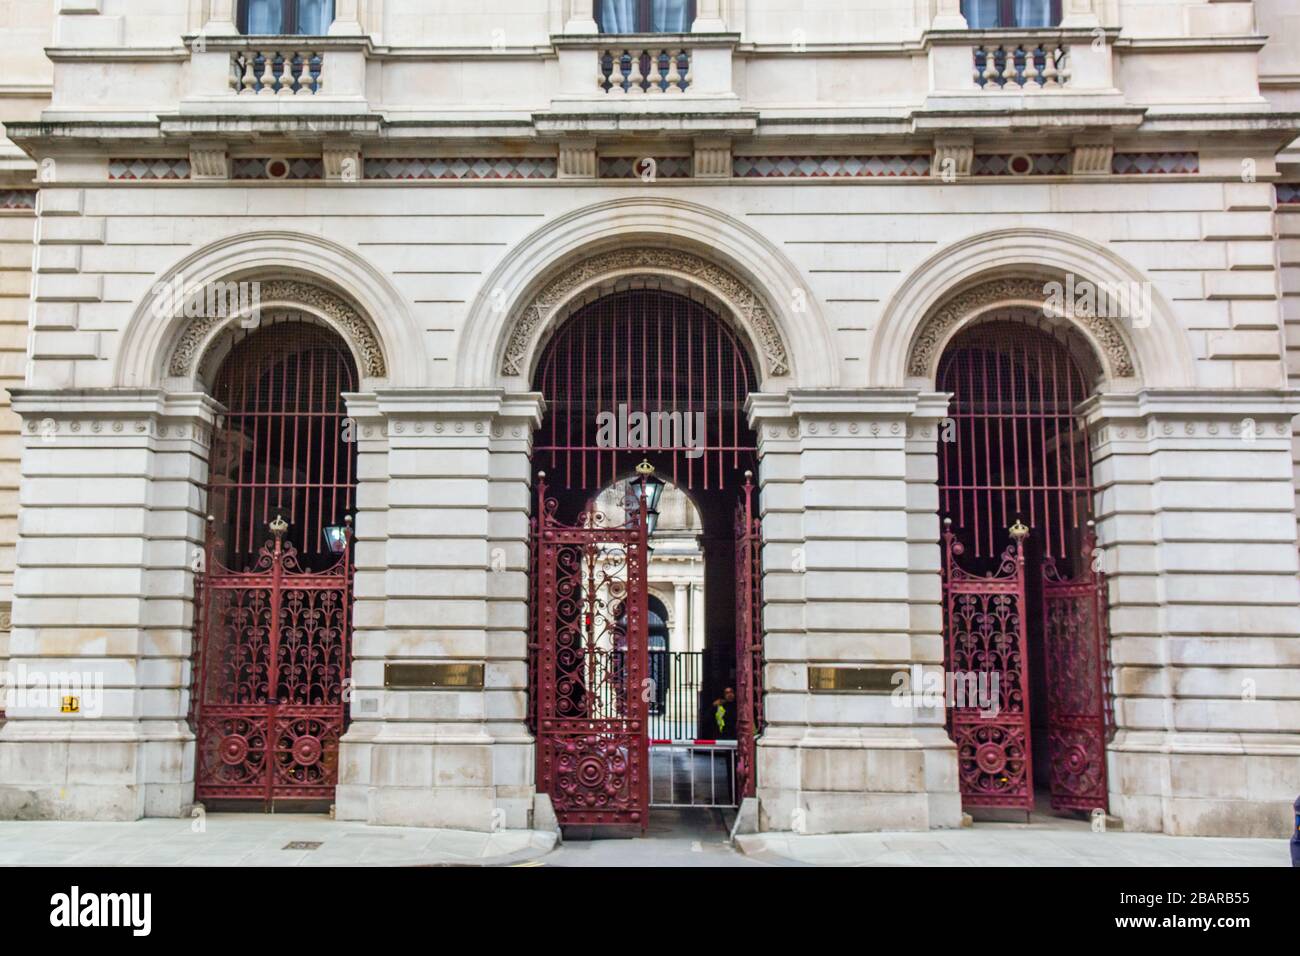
[
  {"x": 290, "y": 17},
  {"x": 645, "y": 16},
  {"x": 989, "y": 14}
]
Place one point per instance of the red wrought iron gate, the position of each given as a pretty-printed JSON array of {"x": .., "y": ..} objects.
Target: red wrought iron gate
[
  {"x": 272, "y": 648},
  {"x": 984, "y": 626},
  {"x": 1015, "y": 449},
  {"x": 749, "y": 641},
  {"x": 1079, "y": 714},
  {"x": 275, "y": 652},
  {"x": 591, "y": 665}
]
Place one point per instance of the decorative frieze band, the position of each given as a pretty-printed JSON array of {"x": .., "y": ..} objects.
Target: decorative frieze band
[
  {"x": 645, "y": 168},
  {"x": 275, "y": 168},
  {"x": 1021, "y": 164},
  {"x": 735, "y": 293},
  {"x": 1244, "y": 429},
  {"x": 177, "y": 167},
  {"x": 17, "y": 199},
  {"x": 829, "y": 167},
  {"x": 50, "y": 428},
  {"x": 463, "y": 167},
  {"x": 1155, "y": 164}
]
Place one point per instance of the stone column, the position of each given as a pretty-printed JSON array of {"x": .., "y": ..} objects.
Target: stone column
[
  {"x": 1197, "y": 530},
  {"x": 708, "y": 17},
  {"x": 221, "y": 19},
  {"x": 850, "y": 580},
  {"x": 949, "y": 16},
  {"x": 579, "y": 17},
  {"x": 442, "y": 560},
  {"x": 110, "y": 533},
  {"x": 347, "y": 19},
  {"x": 697, "y": 617},
  {"x": 681, "y": 637}
]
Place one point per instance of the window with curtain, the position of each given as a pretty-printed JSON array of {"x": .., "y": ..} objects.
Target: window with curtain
[
  {"x": 644, "y": 16},
  {"x": 989, "y": 14},
  {"x": 289, "y": 17}
]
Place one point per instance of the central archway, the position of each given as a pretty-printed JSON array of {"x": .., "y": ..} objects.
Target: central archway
[
  {"x": 645, "y": 377},
  {"x": 1024, "y": 605}
]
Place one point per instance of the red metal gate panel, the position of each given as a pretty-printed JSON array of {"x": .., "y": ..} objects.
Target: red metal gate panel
[
  {"x": 749, "y": 641},
  {"x": 274, "y": 655},
  {"x": 1078, "y": 680},
  {"x": 984, "y": 625},
  {"x": 591, "y": 696}
]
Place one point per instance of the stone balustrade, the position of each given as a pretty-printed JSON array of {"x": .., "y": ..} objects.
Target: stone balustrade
[
  {"x": 636, "y": 70},
  {"x": 1023, "y": 67},
  {"x": 276, "y": 71}
]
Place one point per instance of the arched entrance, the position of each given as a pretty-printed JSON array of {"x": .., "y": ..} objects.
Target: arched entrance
[
  {"x": 1024, "y": 599},
  {"x": 643, "y": 384},
  {"x": 274, "y": 599}
]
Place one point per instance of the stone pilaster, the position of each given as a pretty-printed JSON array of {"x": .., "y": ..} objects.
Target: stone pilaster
[
  {"x": 441, "y": 578},
  {"x": 109, "y": 538},
  {"x": 1198, "y": 539},
  {"x": 841, "y": 485}
]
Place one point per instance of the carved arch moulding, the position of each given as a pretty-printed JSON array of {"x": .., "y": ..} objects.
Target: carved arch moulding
[
  {"x": 340, "y": 314},
  {"x": 935, "y": 331},
  {"x": 747, "y": 308}
]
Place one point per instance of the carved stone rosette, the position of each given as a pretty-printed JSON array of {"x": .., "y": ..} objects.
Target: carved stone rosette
[
  {"x": 1032, "y": 293},
  {"x": 329, "y": 305},
  {"x": 753, "y": 313}
]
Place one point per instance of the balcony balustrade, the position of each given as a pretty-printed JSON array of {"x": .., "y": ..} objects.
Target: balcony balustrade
[{"x": 1021, "y": 66}]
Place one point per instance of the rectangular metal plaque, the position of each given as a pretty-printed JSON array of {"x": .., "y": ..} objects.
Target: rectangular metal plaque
[
  {"x": 440, "y": 676},
  {"x": 854, "y": 680}
]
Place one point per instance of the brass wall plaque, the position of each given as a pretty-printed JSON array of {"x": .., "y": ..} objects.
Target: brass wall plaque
[
  {"x": 415, "y": 676},
  {"x": 855, "y": 680}
]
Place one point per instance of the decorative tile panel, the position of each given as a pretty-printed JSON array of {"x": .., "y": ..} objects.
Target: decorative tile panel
[
  {"x": 828, "y": 167},
  {"x": 467, "y": 167},
  {"x": 1288, "y": 193},
  {"x": 1155, "y": 164},
  {"x": 297, "y": 167},
  {"x": 17, "y": 198},
  {"x": 1021, "y": 164},
  {"x": 634, "y": 167},
  {"x": 149, "y": 168}
]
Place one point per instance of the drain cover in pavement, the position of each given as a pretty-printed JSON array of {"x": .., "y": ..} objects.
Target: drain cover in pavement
[{"x": 302, "y": 845}]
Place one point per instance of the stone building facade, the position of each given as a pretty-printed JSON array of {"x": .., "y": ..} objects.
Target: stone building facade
[{"x": 848, "y": 187}]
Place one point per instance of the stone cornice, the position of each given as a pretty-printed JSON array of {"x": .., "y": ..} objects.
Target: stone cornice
[{"x": 874, "y": 129}]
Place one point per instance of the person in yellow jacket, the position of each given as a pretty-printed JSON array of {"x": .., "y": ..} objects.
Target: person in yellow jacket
[{"x": 724, "y": 714}]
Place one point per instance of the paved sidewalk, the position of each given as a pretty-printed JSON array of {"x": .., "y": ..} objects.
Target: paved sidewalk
[
  {"x": 995, "y": 844},
  {"x": 239, "y": 839}
]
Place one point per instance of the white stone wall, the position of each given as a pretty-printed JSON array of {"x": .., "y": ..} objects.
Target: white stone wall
[
  {"x": 25, "y": 79},
  {"x": 1196, "y": 509}
]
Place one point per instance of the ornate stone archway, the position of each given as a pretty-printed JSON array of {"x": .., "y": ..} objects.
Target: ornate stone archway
[
  {"x": 944, "y": 322},
  {"x": 748, "y": 312},
  {"x": 201, "y": 332}
]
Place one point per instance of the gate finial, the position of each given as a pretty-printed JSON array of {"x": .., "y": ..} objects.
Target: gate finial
[{"x": 278, "y": 526}]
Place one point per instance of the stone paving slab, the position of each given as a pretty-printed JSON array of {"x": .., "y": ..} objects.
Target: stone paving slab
[
  {"x": 1005, "y": 845},
  {"x": 239, "y": 839}
]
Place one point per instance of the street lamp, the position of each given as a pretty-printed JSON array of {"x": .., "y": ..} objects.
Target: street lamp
[
  {"x": 648, "y": 488},
  {"x": 336, "y": 535}
]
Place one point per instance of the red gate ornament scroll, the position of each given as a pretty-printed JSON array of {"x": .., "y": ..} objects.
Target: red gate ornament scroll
[
  {"x": 984, "y": 624},
  {"x": 1076, "y": 642},
  {"x": 749, "y": 642},
  {"x": 592, "y": 663},
  {"x": 273, "y": 656}
]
